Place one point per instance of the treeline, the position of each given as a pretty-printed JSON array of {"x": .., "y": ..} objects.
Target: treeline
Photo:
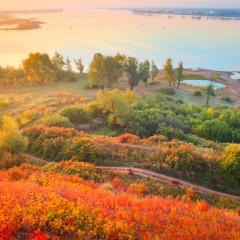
[
  {"x": 39, "y": 69},
  {"x": 106, "y": 70}
]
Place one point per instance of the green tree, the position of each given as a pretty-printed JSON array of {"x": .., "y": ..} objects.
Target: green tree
[
  {"x": 104, "y": 70},
  {"x": 144, "y": 68},
  {"x": 79, "y": 65},
  {"x": 112, "y": 70},
  {"x": 59, "y": 64},
  {"x": 144, "y": 123},
  {"x": 155, "y": 71},
  {"x": 39, "y": 68},
  {"x": 179, "y": 73},
  {"x": 120, "y": 58},
  {"x": 169, "y": 71},
  {"x": 11, "y": 139},
  {"x": 130, "y": 67},
  {"x": 214, "y": 130},
  {"x": 58, "y": 60},
  {"x": 209, "y": 91},
  {"x": 68, "y": 65},
  {"x": 230, "y": 162}
]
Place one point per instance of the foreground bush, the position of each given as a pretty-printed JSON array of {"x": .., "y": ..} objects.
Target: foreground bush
[{"x": 47, "y": 205}]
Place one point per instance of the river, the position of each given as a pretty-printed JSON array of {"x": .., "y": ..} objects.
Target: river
[{"x": 200, "y": 43}]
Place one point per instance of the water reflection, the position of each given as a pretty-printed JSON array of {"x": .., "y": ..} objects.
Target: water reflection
[
  {"x": 204, "y": 83},
  {"x": 209, "y": 44}
]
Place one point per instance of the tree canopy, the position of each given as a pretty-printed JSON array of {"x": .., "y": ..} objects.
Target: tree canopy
[
  {"x": 79, "y": 65},
  {"x": 144, "y": 68},
  {"x": 154, "y": 70},
  {"x": 131, "y": 69},
  {"x": 179, "y": 73},
  {"x": 169, "y": 71},
  {"x": 39, "y": 68},
  {"x": 104, "y": 70}
]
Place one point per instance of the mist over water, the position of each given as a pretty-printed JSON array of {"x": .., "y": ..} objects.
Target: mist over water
[{"x": 199, "y": 43}]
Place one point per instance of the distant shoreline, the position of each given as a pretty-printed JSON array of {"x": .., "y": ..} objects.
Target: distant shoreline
[
  {"x": 30, "y": 11},
  {"x": 10, "y": 23},
  {"x": 222, "y": 14}
]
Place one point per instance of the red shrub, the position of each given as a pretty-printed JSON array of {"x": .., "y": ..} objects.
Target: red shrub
[{"x": 128, "y": 138}]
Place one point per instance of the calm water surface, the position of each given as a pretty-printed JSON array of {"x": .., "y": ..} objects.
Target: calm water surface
[
  {"x": 205, "y": 43},
  {"x": 204, "y": 83}
]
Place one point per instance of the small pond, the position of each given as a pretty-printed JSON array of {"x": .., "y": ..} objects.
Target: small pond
[
  {"x": 235, "y": 76},
  {"x": 204, "y": 83}
]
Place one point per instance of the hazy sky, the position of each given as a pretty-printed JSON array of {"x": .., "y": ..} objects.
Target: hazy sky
[{"x": 32, "y": 4}]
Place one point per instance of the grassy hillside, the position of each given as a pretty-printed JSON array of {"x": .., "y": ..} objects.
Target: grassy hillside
[{"x": 152, "y": 128}]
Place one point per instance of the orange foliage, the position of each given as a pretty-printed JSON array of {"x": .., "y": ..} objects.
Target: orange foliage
[
  {"x": 129, "y": 138},
  {"x": 48, "y": 205}
]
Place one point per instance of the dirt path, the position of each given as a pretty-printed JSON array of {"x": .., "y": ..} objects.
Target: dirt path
[
  {"x": 35, "y": 158},
  {"x": 167, "y": 179},
  {"x": 156, "y": 176}
]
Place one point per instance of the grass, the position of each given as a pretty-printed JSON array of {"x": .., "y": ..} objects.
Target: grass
[
  {"x": 194, "y": 76},
  {"x": 188, "y": 98}
]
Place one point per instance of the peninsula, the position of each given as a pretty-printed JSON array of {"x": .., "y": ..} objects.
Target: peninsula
[{"x": 9, "y": 22}]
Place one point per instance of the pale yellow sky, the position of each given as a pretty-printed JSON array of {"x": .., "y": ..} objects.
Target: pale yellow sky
[{"x": 36, "y": 4}]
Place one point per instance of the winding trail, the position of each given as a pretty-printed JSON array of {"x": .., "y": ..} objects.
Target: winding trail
[{"x": 157, "y": 176}]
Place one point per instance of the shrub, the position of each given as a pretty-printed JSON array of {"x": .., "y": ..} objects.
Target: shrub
[
  {"x": 170, "y": 132},
  {"x": 11, "y": 138},
  {"x": 230, "y": 163},
  {"x": 180, "y": 101},
  {"x": 197, "y": 93},
  {"x": 8, "y": 160},
  {"x": 16, "y": 174},
  {"x": 128, "y": 138},
  {"x": 155, "y": 140},
  {"x": 4, "y": 103},
  {"x": 84, "y": 149},
  {"x": 168, "y": 98},
  {"x": 168, "y": 91},
  {"x": 80, "y": 169},
  {"x": 57, "y": 121},
  {"x": 227, "y": 99},
  {"x": 94, "y": 108},
  {"x": 75, "y": 114}
]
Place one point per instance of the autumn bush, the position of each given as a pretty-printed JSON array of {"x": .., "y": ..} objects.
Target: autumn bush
[
  {"x": 57, "y": 144},
  {"x": 8, "y": 160},
  {"x": 4, "y": 103},
  {"x": 84, "y": 170},
  {"x": 129, "y": 138},
  {"x": 49, "y": 205},
  {"x": 155, "y": 140},
  {"x": 230, "y": 162}
]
